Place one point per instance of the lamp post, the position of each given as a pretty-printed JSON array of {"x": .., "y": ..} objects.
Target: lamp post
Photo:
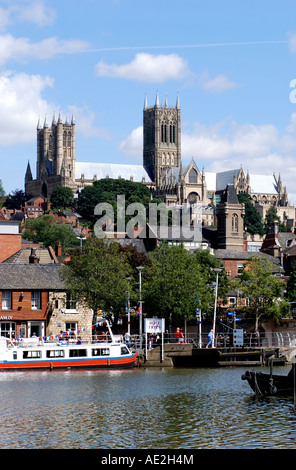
[
  {"x": 140, "y": 269},
  {"x": 128, "y": 307},
  {"x": 217, "y": 271},
  {"x": 81, "y": 238}
]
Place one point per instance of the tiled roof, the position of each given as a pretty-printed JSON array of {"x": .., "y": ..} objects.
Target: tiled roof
[{"x": 30, "y": 276}]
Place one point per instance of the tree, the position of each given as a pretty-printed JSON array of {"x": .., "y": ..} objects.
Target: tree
[
  {"x": 173, "y": 287},
  {"x": 17, "y": 200},
  {"x": 97, "y": 276},
  {"x": 61, "y": 198},
  {"x": 207, "y": 263},
  {"x": 106, "y": 190},
  {"x": 291, "y": 285},
  {"x": 44, "y": 229},
  {"x": 253, "y": 222},
  {"x": 263, "y": 290},
  {"x": 2, "y": 192},
  {"x": 272, "y": 216}
]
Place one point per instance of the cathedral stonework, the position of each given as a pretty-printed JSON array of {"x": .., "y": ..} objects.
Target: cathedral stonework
[
  {"x": 55, "y": 159},
  {"x": 162, "y": 169}
]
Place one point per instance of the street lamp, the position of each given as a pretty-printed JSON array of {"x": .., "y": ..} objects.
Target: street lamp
[
  {"x": 140, "y": 269},
  {"x": 81, "y": 238},
  {"x": 128, "y": 307},
  {"x": 217, "y": 271}
]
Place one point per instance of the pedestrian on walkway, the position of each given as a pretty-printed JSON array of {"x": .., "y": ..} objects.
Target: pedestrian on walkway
[{"x": 210, "y": 339}]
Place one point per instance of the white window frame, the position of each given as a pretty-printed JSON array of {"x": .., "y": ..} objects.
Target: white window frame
[
  {"x": 36, "y": 300},
  {"x": 6, "y": 300}
]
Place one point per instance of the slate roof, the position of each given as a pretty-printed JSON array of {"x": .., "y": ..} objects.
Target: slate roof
[
  {"x": 243, "y": 255},
  {"x": 30, "y": 276}
]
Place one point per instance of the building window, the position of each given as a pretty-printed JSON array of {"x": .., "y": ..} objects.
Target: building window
[
  {"x": 235, "y": 223},
  {"x": 7, "y": 329},
  {"x": 192, "y": 176},
  {"x": 36, "y": 304},
  {"x": 71, "y": 327},
  {"x": 70, "y": 302},
  {"x": 240, "y": 268},
  {"x": 6, "y": 300}
]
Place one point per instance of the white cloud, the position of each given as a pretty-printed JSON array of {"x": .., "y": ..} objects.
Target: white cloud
[
  {"x": 86, "y": 124},
  {"x": 132, "y": 146},
  {"x": 218, "y": 142},
  {"x": 22, "y": 49},
  {"x": 261, "y": 149},
  {"x": 36, "y": 12},
  {"x": 21, "y": 103},
  {"x": 146, "y": 68},
  {"x": 292, "y": 41},
  {"x": 4, "y": 19},
  {"x": 219, "y": 83}
]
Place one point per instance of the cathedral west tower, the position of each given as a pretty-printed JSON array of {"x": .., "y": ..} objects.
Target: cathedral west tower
[{"x": 55, "y": 158}]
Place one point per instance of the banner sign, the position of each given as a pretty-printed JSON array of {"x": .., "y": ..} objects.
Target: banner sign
[{"x": 154, "y": 325}]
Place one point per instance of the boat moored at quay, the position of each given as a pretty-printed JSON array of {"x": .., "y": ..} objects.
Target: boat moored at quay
[
  {"x": 37, "y": 354},
  {"x": 34, "y": 354}
]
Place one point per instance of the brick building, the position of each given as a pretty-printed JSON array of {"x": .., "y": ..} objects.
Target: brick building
[
  {"x": 33, "y": 300},
  {"x": 10, "y": 238}
]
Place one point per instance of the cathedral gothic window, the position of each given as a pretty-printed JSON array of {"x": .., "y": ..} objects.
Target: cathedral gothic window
[{"x": 192, "y": 176}]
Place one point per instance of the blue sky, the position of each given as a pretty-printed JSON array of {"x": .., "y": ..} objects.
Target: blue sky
[{"x": 231, "y": 62}]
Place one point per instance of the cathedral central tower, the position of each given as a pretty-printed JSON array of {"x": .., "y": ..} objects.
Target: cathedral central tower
[{"x": 162, "y": 140}]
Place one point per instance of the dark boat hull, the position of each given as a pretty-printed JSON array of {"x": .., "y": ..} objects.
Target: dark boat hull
[{"x": 269, "y": 384}]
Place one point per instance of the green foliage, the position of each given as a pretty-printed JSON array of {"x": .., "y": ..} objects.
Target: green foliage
[
  {"x": 106, "y": 191},
  {"x": 272, "y": 216},
  {"x": 291, "y": 285},
  {"x": 207, "y": 263},
  {"x": 2, "y": 192},
  {"x": 16, "y": 200},
  {"x": 253, "y": 222},
  {"x": 62, "y": 198},
  {"x": 263, "y": 289},
  {"x": 44, "y": 229},
  {"x": 174, "y": 286},
  {"x": 97, "y": 276}
]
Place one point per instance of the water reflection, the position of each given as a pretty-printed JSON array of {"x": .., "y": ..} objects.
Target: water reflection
[{"x": 142, "y": 408}]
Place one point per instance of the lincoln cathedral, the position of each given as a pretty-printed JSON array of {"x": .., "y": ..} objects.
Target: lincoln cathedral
[{"x": 162, "y": 171}]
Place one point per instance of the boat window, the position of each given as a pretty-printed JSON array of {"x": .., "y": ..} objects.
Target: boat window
[
  {"x": 77, "y": 353},
  {"x": 55, "y": 353},
  {"x": 14, "y": 355},
  {"x": 31, "y": 354},
  {"x": 124, "y": 350},
  {"x": 101, "y": 352}
]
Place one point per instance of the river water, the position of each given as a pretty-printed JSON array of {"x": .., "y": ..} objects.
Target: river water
[{"x": 153, "y": 408}]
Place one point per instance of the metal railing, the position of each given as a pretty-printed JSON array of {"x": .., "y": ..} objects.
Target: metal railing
[{"x": 222, "y": 340}]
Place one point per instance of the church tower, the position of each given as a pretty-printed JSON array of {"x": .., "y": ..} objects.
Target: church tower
[
  {"x": 230, "y": 221},
  {"x": 55, "y": 158},
  {"x": 162, "y": 140}
]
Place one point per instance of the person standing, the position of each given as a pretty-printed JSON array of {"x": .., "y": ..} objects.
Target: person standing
[{"x": 210, "y": 339}]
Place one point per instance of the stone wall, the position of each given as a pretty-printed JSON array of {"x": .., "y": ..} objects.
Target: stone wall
[{"x": 59, "y": 317}]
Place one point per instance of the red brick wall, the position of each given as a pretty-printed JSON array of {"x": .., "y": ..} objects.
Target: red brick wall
[
  {"x": 21, "y": 309},
  {"x": 9, "y": 244}
]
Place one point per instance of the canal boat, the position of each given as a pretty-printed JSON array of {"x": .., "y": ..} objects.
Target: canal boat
[
  {"x": 270, "y": 384},
  {"x": 39, "y": 354}
]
